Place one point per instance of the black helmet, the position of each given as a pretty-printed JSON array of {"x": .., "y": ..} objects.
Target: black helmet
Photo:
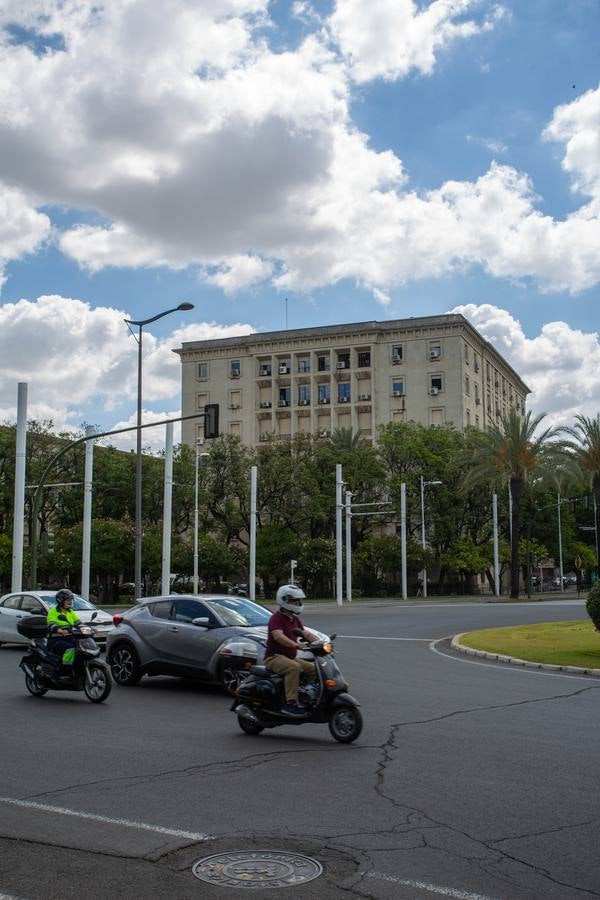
[{"x": 62, "y": 595}]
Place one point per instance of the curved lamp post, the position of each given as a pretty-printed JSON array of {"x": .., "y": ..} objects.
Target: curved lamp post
[{"x": 138, "y": 459}]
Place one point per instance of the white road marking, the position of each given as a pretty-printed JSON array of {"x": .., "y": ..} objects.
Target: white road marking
[
  {"x": 140, "y": 826},
  {"x": 9, "y": 897},
  {"x": 431, "y": 888},
  {"x": 366, "y": 637},
  {"x": 502, "y": 667}
]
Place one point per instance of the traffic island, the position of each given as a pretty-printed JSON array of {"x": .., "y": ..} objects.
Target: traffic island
[{"x": 554, "y": 646}]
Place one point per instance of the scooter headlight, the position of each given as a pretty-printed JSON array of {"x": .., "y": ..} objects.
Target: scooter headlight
[{"x": 327, "y": 647}]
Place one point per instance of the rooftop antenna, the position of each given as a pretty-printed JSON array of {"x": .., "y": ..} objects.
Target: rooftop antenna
[{"x": 286, "y": 321}]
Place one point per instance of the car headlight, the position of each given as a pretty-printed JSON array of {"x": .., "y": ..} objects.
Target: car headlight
[{"x": 247, "y": 649}]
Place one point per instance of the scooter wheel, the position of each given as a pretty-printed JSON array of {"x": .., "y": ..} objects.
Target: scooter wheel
[
  {"x": 100, "y": 686},
  {"x": 249, "y": 727},
  {"x": 33, "y": 687},
  {"x": 345, "y": 724}
]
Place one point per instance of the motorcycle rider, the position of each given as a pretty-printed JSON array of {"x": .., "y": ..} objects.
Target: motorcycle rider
[
  {"x": 282, "y": 646},
  {"x": 60, "y": 618}
]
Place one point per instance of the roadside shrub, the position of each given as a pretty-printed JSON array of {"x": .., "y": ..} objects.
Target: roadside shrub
[{"x": 592, "y": 605}]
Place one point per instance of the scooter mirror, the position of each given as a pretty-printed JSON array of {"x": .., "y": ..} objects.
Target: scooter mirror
[
  {"x": 332, "y": 637},
  {"x": 93, "y": 616}
]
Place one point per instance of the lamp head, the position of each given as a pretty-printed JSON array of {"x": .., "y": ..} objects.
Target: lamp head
[{"x": 185, "y": 305}]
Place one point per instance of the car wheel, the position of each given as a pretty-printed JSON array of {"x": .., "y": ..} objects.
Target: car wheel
[
  {"x": 345, "y": 724},
  {"x": 231, "y": 678},
  {"x": 125, "y": 665}
]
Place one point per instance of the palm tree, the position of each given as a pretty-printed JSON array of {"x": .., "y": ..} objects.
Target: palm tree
[
  {"x": 512, "y": 453},
  {"x": 346, "y": 439},
  {"x": 586, "y": 453}
]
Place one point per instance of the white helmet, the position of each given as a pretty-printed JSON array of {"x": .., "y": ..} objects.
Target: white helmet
[{"x": 290, "y": 597}]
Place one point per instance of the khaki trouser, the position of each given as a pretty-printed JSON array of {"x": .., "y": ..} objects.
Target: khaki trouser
[{"x": 290, "y": 669}]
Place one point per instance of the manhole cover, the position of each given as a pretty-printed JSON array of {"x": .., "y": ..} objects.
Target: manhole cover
[{"x": 257, "y": 869}]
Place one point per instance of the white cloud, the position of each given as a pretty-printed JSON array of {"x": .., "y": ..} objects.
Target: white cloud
[
  {"x": 200, "y": 146},
  {"x": 390, "y": 38},
  {"x": 239, "y": 272},
  {"x": 77, "y": 356},
  {"x": 22, "y": 228},
  {"x": 561, "y": 365}
]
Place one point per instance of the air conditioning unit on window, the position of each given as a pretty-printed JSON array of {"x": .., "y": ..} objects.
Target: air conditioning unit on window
[
  {"x": 324, "y": 400},
  {"x": 396, "y": 359},
  {"x": 303, "y": 402},
  {"x": 364, "y": 397},
  {"x": 344, "y": 399},
  {"x": 400, "y": 394},
  {"x": 283, "y": 369},
  {"x": 435, "y": 354},
  {"x": 235, "y": 374},
  {"x": 284, "y": 403},
  {"x": 265, "y": 371},
  {"x": 324, "y": 434},
  {"x": 340, "y": 365},
  {"x": 265, "y": 404},
  {"x": 434, "y": 391},
  {"x": 264, "y": 437}
]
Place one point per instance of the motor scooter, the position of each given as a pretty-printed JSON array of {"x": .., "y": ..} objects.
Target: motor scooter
[
  {"x": 44, "y": 670},
  {"x": 260, "y": 698}
]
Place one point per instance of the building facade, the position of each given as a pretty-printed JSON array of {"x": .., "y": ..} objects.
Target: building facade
[{"x": 435, "y": 370}]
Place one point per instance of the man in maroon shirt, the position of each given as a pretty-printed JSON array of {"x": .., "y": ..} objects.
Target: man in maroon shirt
[{"x": 282, "y": 646}]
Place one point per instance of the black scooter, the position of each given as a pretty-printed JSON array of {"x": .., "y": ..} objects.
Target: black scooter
[
  {"x": 260, "y": 697},
  {"x": 44, "y": 671}
]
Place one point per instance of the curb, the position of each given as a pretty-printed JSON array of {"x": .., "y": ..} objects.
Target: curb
[{"x": 515, "y": 661}]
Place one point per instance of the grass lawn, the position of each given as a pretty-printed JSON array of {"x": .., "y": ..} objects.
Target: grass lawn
[{"x": 557, "y": 643}]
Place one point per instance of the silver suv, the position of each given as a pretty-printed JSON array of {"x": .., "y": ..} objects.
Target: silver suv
[{"x": 213, "y": 637}]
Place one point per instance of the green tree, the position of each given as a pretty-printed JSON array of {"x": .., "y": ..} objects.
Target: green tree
[
  {"x": 512, "y": 453},
  {"x": 585, "y": 449}
]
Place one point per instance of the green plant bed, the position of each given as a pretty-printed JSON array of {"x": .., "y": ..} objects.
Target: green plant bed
[{"x": 556, "y": 643}]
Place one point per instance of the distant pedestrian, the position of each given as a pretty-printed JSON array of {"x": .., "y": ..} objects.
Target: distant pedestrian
[{"x": 419, "y": 586}]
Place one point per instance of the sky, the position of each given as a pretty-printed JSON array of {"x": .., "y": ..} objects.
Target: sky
[{"x": 292, "y": 163}]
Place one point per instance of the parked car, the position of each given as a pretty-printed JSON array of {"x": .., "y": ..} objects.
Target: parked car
[
  {"x": 13, "y": 607},
  {"x": 215, "y": 638}
]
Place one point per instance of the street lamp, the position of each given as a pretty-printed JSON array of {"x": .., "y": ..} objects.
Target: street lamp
[
  {"x": 198, "y": 455},
  {"x": 138, "y": 460},
  {"x": 424, "y": 484}
]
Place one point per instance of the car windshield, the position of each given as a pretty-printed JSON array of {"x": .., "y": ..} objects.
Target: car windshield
[
  {"x": 78, "y": 603},
  {"x": 240, "y": 612}
]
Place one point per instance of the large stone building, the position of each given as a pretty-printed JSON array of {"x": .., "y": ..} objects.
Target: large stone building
[{"x": 434, "y": 370}]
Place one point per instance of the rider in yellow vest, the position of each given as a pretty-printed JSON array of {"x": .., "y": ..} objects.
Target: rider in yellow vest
[{"x": 60, "y": 618}]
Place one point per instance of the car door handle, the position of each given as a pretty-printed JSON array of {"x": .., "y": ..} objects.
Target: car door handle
[{"x": 173, "y": 628}]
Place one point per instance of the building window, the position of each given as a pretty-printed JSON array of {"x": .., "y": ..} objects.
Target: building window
[
  {"x": 435, "y": 350},
  {"x": 476, "y": 393},
  {"x": 475, "y": 362},
  {"x": 397, "y": 387},
  {"x": 436, "y": 417},
  {"x": 304, "y": 365},
  {"x": 201, "y": 400},
  {"x": 436, "y": 384},
  {"x": 324, "y": 393},
  {"x": 323, "y": 364},
  {"x": 235, "y": 399},
  {"x": 468, "y": 419},
  {"x": 397, "y": 355},
  {"x": 202, "y": 371},
  {"x": 235, "y": 428},
  {"x": 343, "y": 360},
  {"x": 304, "y": 395},
  {"x": 364, "y": 359},
  {"x": 284, "y": 367},
  {"x": 235, "y": 368},
  {"x": 344, "y": 392},
  {"x": 285, "y": 396},
  {"x": 265, "y": 369},
  {"x": 477, "y": 421},
  {"x": 467, "y": 386},
  {"x": 467, "y": 354}
]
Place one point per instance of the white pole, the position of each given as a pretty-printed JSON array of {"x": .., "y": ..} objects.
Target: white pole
[
  {"x": 338, "y": 534},
  {"x": 252, "y": 575},
  {"x": 292, "y": 570},
  {"x": 509, "y": 514},
  {"x": 167, "y": 506},
  {"x": 403, "y": 537},
  {"x": 496, "y": 560},
  {"x": 19, "y": 502},
  {"x": 195, "y": 581},
  {"x": 423, "y": 534},
  {"x": 86, "y": 541},
  {"x": 560, "y": 555},
  {"x": 349, "y": 546}
]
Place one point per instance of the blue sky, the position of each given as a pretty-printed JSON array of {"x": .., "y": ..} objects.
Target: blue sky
[{"x": 364, "y": 160}]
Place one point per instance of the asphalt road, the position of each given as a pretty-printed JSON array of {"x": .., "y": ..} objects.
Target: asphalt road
[{"x": 471, "y": 780}]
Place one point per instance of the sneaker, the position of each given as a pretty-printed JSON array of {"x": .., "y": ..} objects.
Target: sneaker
[{"x": 292, "y": 709}]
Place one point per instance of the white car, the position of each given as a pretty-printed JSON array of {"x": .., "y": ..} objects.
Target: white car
[{"x": 13, "y": 607}]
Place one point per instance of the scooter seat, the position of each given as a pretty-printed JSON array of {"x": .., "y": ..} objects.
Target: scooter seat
[{"x": 260, "y": 670}]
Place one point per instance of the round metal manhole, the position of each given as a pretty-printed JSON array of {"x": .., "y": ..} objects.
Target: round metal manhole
[{"x": 257, "y": 869}]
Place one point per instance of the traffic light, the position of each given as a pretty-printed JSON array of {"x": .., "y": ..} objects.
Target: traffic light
[
  {"x": 49, "y": 542},
  {"x": 586, "y": 502},
  {"x": 211, "y": 420}
]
